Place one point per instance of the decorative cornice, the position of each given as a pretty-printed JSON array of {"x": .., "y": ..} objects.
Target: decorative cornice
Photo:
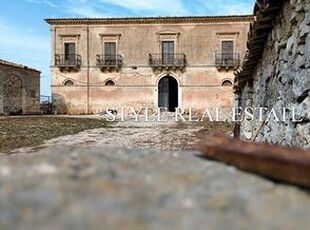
[
  {"x": 110, "y": 35},
  {"x": 69, "y": 35},
  {"x": 15, "y": 65},
  {"x": 228, "y": 33},
  {"x": 150, "y": 20},
  {"x": 166, "y": 32}
]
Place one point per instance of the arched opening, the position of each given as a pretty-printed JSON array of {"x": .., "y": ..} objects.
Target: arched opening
[
  {"x": 12, "y": 95},
  {"x": 168, "y": 93},
  {"x": 69, "y": 83},
  {"x": 109, "y": 83},
  {"x": 227, "y": 83}
]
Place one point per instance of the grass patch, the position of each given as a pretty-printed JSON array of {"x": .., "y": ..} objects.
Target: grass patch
[{"x": 17, "y": 132}]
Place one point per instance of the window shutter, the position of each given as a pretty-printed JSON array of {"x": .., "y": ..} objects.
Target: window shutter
[
  {"x": 227, "y": 47},
  {"x": 110, "y": 52},
  {"x": 168, "y": 52},
  {"x": 228, "y": 52},
  {"x": 70, "y": 53}
]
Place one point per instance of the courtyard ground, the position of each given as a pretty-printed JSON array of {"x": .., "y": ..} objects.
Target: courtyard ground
[
  {"x": 17, "y": 132},
  {"x": 139, "y": 175}
]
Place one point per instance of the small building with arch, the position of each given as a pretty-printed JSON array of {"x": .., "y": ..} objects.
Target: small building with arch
[
  {"x": 19, "y": 89},
  {"x": 148, "y": 62}
]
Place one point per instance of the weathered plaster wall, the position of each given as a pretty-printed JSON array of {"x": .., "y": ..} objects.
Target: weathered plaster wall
[
  {"x": 282, "y": 79},
  {"x": 199, "y": 83}
]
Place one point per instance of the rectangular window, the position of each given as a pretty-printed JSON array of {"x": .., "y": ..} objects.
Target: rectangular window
[
  {"x": 168, "y": 52},
  {"x": 110, "y": 52},
  {"x": 227, "y": 51},
  {"x": 70, "y": 53}
]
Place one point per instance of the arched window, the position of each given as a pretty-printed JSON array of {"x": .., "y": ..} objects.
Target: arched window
[
  {"x": 227, "y": 83},
  {"x": 69, "y": 83},
  {"x": 109, "y": 83}
]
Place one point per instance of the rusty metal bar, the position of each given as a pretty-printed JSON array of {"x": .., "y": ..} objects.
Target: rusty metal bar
[{"x": 276, "y": 162}]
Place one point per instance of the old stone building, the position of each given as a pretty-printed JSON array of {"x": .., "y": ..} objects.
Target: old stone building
[
  {"x": 276, "y": 74},
  {"x": 19, "y": 89},
  {"x": 145, "y": 62}
]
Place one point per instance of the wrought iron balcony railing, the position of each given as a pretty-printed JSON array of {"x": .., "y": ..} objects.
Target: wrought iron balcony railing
[
  {"x": 227, "y": 60},
  {"x": 176, "y": 60},
  {"x": 68, "y": 60},
  {"x": 109, "y": 61}
]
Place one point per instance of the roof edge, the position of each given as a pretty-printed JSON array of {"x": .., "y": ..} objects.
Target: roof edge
[
  {"x": 20, "y": 66},
  {"x": 265, "y": 12},
  {"x": 148, "y": 20}
]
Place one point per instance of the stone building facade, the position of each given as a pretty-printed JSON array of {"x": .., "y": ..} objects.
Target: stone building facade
[
  {"x": 276, "y": 74},
  {"x": 145, "y": 62},
  {"x": 19, "y": 89}
]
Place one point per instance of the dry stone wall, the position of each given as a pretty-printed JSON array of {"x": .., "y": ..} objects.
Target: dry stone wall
[
  {"x": 282, "y": 80},
  {"x": 12, "y": 94},
  {"x": 19, "y": 90}
]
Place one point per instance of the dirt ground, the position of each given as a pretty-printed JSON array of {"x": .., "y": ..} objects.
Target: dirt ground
[
  {"x": 131, "y": 175},
  {"x": 32, "y": 131},
  {"x": 17, "y": 132}
]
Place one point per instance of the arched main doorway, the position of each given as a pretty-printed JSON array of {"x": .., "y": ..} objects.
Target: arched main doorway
[{"x": 168, "y": 93}]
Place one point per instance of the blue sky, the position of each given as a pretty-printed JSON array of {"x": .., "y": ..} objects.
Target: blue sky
[{"x": 25, "y": 37}]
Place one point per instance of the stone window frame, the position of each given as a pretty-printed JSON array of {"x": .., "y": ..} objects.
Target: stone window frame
[
  {"x": 228, "y": 40},
  {"x": 105, "y": 38},
  {"x": 106, "y": 83},
  {"x": 227, "y": 36},
  {"x": 65, "y": 82},
  {"x": 70, "y": 38},
  {"x": 226, "y": 80},
  {"x": 164, "y": 36},
  {"x": 67, "y": 42}
]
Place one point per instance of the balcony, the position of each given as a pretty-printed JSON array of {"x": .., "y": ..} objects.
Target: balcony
[
  {"x": 109, "y": 62},
  {"x": 68, "y": 61},
  {"x": 167, "y": 61},
  {"x": 227, "y": 60}
]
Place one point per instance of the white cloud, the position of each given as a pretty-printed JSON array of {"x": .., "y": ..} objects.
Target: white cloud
[
  {"x": 82, "y": 8},
  {"x": 21, "y": 39},
  {"x": 21, "y": 46},
  {"x": 47, "y": 2},
  {"x": 84, "y": 11},
  {"x": 226, "y": 7},
  {"x": 116, "y": 8},
  {"x": 108, "y": 8},
  {"x": 119, "y": 8},
  {"x": 171, "y": 7}
]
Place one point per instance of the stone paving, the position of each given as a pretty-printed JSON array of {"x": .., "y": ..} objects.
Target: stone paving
[{"x": 138, "y": 176}]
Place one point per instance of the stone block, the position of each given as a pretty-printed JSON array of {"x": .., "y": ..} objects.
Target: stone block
[
  {"x": 307, "y": 18},
  {"x": 300, "y": 62},
  {"x": 299, "y": 6},
  {"x": 301, "y": 82},
  {"x": 303, "y": 135},
  {"x": 303, "y": 32},
  {"x": 303, "y": 110},
  {"x": 293, "y": 3},
  {"x": 301, "y": 49},
  {"x": 307, "y": 51},
  {"x": 290, "y": 44}
]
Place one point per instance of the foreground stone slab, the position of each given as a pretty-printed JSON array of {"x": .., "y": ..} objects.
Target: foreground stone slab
[
  {"x": 280, "y": 163},
  {"x": 75, "y": 187}
]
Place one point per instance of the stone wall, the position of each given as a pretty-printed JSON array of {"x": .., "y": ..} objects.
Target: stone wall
[
  {"x": 280, "y": 80},
  {"x": 12, "y": 94},
  {"x": 19, "y": 89}
]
